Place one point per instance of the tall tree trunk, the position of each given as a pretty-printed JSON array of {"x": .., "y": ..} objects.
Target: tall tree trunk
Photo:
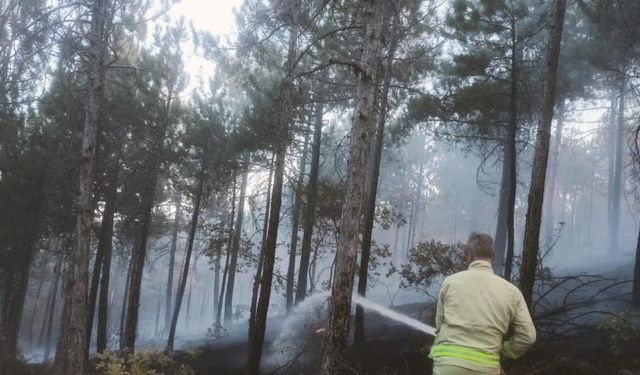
[
  {"x": 362, "y": 135},
  {"x": 282, "y": 115},
  {"x": 148, "y": 200},
  {"x": 541, "y": 155},
  {"x": 372, "y": 190},
  {"x": 105, "y": 242},
  {"x": 138, "y": 257},
  {"x": 614, "y": 229},
  {"x": 611, "y": 156},
  {"x": 36, "y": 303},
  {"x": 256, "y": 280},
  {"x": 235, "y": 249},
  {"x": 227, "y": 261},
  {"x": 185, "y": 270},
  {"x": 504, "y": 262},
  {"x": 312, "y": 199},
  {"x": 553, "y": 171},
  {"x": 295, "y": 221},
  {"x": 216, "y": 276},
  {"x": 103, "y": 256},
  {"x": 172, "y": 257},
  {"x": 48, "y": 336},
  {"x": 125, "y": 298},
  {"x": 13, "y": 305},
  {"x": 71, "y": 356},
  {"x": 93, "y": 292},
  {"x": 636, "y": 276}
]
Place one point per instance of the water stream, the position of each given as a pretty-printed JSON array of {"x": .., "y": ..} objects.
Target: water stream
[{"x": 394, "y": 315}]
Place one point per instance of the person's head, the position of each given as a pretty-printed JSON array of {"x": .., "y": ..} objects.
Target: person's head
[{"x": 480, "y": 247}]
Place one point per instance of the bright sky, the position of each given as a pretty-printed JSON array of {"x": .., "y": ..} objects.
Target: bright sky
[{"x": 215, "y": 16}]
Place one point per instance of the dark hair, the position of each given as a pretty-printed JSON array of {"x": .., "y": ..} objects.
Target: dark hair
[{"x": 480, "y": 245}]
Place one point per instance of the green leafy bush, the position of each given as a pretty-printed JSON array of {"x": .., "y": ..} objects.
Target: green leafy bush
[
  {"x": 143, "y": 363},
  {"x": 622, "y": 332},
  {"x": 431, "y": 261}
]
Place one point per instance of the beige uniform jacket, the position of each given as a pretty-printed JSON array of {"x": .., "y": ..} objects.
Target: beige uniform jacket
[{"x": 475, "y": 310}]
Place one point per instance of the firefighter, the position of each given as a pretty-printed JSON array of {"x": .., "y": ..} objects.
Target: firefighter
[{"x": 475, "y": 311}]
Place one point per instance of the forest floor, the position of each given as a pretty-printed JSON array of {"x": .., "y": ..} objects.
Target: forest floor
[{"x": 394, "y": 349}]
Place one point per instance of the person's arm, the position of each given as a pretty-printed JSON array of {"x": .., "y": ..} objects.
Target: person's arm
[
  {"x": 440, "y": 308},
  {"x": 524, "y": 332}
]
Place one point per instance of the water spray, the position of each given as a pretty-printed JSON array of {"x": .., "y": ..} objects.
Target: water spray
[{"x": 394, "y": 315}]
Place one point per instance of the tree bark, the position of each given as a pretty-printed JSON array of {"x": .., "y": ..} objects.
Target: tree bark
[
  {"x": 71, "y": 356},
  {"x": 504, "y": 260},
  {"x": 362, "y": 135},
  {"x": 256, "y": 280},
  {"x": 282, "y": 115},
  {"x": 310, "y": 208},
  {"x": 185, "y": 270},
  {"x": 226, "y": 263},
  {"x": 295, "y": 221},
  {"x": 125, "y": 298},
  {"x": 172, "y": 258},
  {"x": 36, "y": 302},
  {"x": 216, "y": 277},
  {"x": 614, "y": 229},
  {"x": 235, "y": 249},
  {"x": 541, "y": 155},
  {"x": 372, "y": 191},
  {"x": 105, "y": 237},
  {"x": 48, "y": 336},
  {"x": 636, "y": 276},
  {"x": 553, "y": 171},
  {"x": 105, "y": 242}
]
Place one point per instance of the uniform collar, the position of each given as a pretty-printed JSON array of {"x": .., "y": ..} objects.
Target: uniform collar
[{"x": 481, "y": 265}]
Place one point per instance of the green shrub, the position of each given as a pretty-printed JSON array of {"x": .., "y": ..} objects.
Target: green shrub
[
  {"x": 622, "y": 332},
  {"x": 142, "y": 363}
]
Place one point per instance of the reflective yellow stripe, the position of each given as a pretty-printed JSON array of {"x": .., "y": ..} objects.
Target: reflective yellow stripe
[{"x": 473, "y": 355}]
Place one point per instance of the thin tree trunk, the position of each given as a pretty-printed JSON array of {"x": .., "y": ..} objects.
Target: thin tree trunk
[
  {"x": 138, "y": 258},
  {"x": 148, "y": 199},
  {"x": 185, "y": 270},
  {"x": 71, "y": 356},
  {"x": 362, "y": 135},
  {"x": 216, "y": 277},
  {"x": 614, "y": 230},
  {"x": 93, "y": 292},
  {"x": 48, "y": 337},
  {"x": 256, "y": 280},
  {"x": 227, "y": 261},
  {"x": 282, "y": 115},
  {"x": 106, "y": 238},
  {"x": 312, "y": 199},
  {"x": 295, "y": 221},
  {"x": 553, "y": 171},
  {"x": 123, "y": 311},
  {"x": 372, "y": 191},
  {"x": 36, "y": 303},
  {"x": 512, "y": 160},
  {"x": 611, "y": 130},
  {"x": 636, "y": 276},
  {"x": 235, "y": 249},
  {"x": 187, "y": 315},
  {"x": 541, "y": 155},
  {"x": 172, "y": 257}
]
